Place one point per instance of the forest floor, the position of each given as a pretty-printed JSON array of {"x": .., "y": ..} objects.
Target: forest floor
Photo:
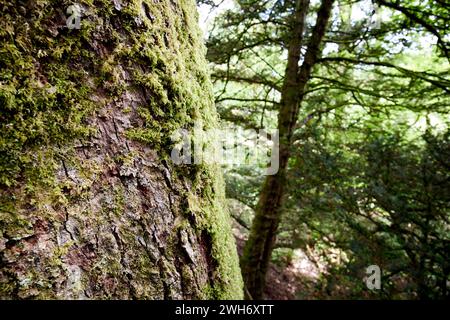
[{"x": 297, "y": 279}]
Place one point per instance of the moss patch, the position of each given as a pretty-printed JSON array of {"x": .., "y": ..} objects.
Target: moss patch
[{"x": 53, "y": 80}]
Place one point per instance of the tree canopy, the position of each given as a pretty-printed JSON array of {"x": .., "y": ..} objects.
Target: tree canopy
[{"x": 367, "y": 176}]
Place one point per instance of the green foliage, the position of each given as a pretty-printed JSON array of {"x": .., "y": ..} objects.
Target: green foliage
[
  {"x": 368, "y": 175},
  {"x": 383, "y": 201}
]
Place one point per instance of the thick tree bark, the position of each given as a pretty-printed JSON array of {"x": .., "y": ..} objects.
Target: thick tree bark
[
  {"x": 91, "y": 205},
  {"x": 258, "y": 248}
]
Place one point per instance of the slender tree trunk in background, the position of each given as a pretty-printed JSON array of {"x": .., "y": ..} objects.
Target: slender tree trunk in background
[
  {"x": 91, "y": 205},
  {"x": 258, "y": 248}
]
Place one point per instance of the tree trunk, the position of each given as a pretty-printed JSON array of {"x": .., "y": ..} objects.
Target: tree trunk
[
  {"x": 258, "y": 248},
  {"x": 91, "y": 205}
]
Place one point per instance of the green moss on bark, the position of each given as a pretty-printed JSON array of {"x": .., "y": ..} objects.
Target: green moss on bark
[{"x": 52, "y": 81}]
